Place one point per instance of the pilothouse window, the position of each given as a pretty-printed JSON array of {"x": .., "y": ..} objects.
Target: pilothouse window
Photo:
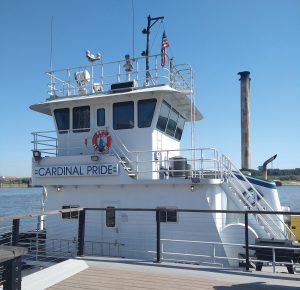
[
  {"x": 170, "y": 121},
  {"x": 81, "y": 119},
  {"x": 123, "y": 115},
  {"x": 163, "y": 116},
  {"x": 180, "y": 126},
  {"x": 173, "y": 117},
  {"x": 62, "y": 118},
  {"x": 146, "y": 110},
  {"x": 101, "y": 117}
]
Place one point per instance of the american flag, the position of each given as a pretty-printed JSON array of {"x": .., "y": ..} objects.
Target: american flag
[{"x": 164, "y": 45}]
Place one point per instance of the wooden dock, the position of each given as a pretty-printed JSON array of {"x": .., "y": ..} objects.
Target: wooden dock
[{"x": 109, "y": 273}]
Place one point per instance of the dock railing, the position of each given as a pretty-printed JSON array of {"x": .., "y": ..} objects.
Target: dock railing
[{"x": 157, "y": 234}]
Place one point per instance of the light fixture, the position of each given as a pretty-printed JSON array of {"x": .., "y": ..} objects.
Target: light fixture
[
  {"x": 94, "y": 158},
  {"x": 59, "y": 188},
  {"x": 128, "y": 66},
  {"x": 92, "y": 57},
  {"x": 192, "y": 188},
  {"x": 37, "y": 155}
]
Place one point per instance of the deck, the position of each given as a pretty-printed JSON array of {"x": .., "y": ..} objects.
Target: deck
[{"x": 110, "y": 273}]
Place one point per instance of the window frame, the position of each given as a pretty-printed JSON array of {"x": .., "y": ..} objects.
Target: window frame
[
  {"x": 179, "y": 128},
  {"x": 171, "y": 120},
  {"x": 97, "y": 119},
  {"x": 159, "y": 115},
  {"x": 144, "y": 101},
  {"x": 115, "y": 115},
  {"x": 163, "y": 214},
  {"x": 110, "y": 209},
  {"x": 65, "y": 130},
  {"x": 70, "y": 215},
  {"x": 172, "y": 109},
  {"x": 81, "y": 129}
]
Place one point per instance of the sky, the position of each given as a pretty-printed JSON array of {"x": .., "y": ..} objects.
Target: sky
[{"x": 218, "y": 38}]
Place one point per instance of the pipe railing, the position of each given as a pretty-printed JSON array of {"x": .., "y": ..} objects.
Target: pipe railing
[
  {"x": 99, "y": 77},
  {"x": 262, "y": 205}
]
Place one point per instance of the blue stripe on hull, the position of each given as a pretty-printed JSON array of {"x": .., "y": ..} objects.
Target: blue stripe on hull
[{"x": 259, "y": 182}]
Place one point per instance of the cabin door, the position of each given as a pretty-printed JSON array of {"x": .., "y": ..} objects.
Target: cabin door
[{"x": 110, "y": 229}]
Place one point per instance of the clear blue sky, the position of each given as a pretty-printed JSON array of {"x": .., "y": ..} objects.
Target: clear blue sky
[{"x": 218, "y": 38}]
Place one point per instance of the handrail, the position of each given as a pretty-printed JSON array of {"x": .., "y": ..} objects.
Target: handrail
[
  {"x": 257, "y": 194},
  {"x": 207, "y": 164},
  {"x": 62, "y": 83}
]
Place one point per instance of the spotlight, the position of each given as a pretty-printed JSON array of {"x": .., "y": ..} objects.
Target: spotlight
[
  {"x": 192, "y": 188},
  {"x": 59, "y": 188},
  {"x": 92, "y": 57},
  {"x": 37, "y": 155},
  {"x": 94, "y": 158}
]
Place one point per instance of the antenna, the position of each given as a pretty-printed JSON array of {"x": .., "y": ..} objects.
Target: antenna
[
  {"x": 132, "y": 4},
  {"x": 151, "y": 22},
  {"x": 51, "y": 42},
  {"x": 52, "y": 88}
]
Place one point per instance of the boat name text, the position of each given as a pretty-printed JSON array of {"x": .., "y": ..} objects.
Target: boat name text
[{"x": 77, "y": 170}]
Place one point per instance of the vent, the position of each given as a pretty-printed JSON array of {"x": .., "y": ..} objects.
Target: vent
[{"x": 125, "y": 86}]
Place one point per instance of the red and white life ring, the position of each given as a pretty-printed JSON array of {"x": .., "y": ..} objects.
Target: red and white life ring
[{"x": 101, "y": 141}]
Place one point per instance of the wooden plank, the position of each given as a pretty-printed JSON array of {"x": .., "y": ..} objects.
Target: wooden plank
[{"x": 8, "y": 253}]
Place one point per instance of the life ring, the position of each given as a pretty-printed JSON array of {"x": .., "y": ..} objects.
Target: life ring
[{"x": 102, "y": 141}]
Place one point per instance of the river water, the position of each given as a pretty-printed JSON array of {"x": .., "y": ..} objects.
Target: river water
[{"x": 26, "y": 200}]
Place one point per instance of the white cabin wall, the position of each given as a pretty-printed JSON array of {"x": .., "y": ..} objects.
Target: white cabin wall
[
  {"x": 217, "y": 200},
  {"x": 137, "y": 230}
]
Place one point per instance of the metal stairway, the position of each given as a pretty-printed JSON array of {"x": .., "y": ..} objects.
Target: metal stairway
[
  {"x": 245, "y": 196},
  {"x": 122, "y": 153}
]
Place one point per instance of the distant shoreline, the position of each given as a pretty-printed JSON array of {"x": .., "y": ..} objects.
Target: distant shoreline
[
  {"x": 12, "y": 185},
  {"x": 290, "y": 182}
]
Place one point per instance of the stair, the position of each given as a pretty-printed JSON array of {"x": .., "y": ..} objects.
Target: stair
[
  {"x": 124, "y": 162},
  {"x": 245, "y": 197}
]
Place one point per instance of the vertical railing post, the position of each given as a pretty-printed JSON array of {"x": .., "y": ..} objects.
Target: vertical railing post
[
  {"x": 81, "y": 231},
  {"x": 247, "y": 242},
  {"x": 158, "y": 252},
  {"x": 273, "y": 260},
  {"x": 69, "y": 81},
  {"x": 15, "y": 232},
  {"x": 12, "y": 274}
]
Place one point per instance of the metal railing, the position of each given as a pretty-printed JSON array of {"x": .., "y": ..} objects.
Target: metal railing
[
  {"x": 197, "y": 164},
  {"x": 98, "y": 78},
  {"x": 274, "y": 225},
  {"x": 177, "y": 241}
]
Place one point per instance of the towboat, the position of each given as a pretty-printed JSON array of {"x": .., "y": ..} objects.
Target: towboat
[{"x": 116, "y": 145}]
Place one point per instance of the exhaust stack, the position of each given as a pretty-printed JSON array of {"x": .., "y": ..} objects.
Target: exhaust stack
[
  {"x": 245, "y": 119},
  {"x": 264, "y": 167}
]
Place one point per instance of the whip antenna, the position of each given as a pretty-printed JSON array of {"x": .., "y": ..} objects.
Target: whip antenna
[
  {"x": 132, "y": 4},
  {"x": 51, "y": 42}
]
